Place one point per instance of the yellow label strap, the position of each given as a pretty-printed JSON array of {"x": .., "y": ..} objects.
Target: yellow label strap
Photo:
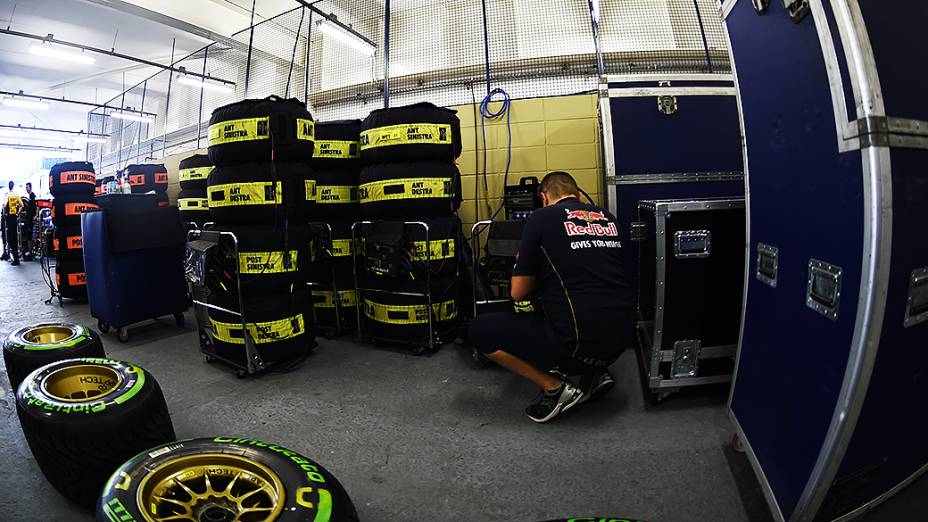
[
  {"x": 253, "y": 129},
  {"x": 334, "y": 149},
  {"x": 232, "y": 131},
  {"x": 310, "y": 190},
  {"x": 325, "y": 298},
  {"x": 342, "y": 248},
  {"x": 440, "y": 249},
  {"x": 521, "y": 307},
  {"x": 408, "y": 188},
  {"x": 193, "y": 204},
  {"x": 305, "y": 129},
  {"x": 241, "y": 194},
  {"x": 195, "y": 173},
  {"x": 268, "y": 262},
  {"x": 261, "y": 333},
  {"x": 408, "y": 314},
  {"x": 336, "y": 194},
  {"x": 406, "y": 134}
]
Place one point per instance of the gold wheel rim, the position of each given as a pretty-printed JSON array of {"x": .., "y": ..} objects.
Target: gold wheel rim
[
  {"x": 49, "y": 334},
  {"x": 211, "y": 487},
  {"x": 81, "y": 383}
]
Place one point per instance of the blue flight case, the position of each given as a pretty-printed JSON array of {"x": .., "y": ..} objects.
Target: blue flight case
[
  {"x": 133, "y": 258},
  {"x": 830, "y": 388}
]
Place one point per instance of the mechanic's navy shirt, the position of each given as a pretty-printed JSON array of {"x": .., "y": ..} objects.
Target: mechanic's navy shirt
[{"x": 574, "y": 251}]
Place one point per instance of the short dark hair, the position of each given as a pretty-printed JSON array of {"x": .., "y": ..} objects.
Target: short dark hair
[
  {"x": 28, "y": 184},
  {"x": 559, "y": 184}
]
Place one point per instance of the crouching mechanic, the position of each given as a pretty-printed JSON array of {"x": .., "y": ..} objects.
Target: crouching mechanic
[{"x": 570, "y": 260}]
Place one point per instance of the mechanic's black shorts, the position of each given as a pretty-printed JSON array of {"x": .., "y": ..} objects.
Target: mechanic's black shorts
[{"x": 528, "y": 337}]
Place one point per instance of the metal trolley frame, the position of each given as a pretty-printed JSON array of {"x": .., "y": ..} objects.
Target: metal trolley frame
[
  {"x": 433, "y": 341},
  {"x": 336, "y": 329},
  {"x": 253, "y": 361},
  {"x": 475, "y": 231}
]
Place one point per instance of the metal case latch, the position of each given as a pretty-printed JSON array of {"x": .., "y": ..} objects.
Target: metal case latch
[
  {"x": 761, "y": 6},
  {"x": 638, "y": 231},
  {"x": 798, "y": 9},
  {"x": 767, "y": 264},
  {"x": 916, "y": 308},
  {"x": 667, "y": 104},
  {"x": 824, "y": 288},
  {"x": 686, "y": 356},
  {"x": 692, "y": 244}
]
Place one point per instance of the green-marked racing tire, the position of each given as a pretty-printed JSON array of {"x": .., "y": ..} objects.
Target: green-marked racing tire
[
  {"x": 223, "y": 478},
  {"x": 34, "y": 346},
  {"x": 84, "y": 417}
]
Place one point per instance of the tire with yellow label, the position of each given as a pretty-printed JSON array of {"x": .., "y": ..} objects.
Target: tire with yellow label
[
  {"x": 413, "y": 190},
  {"x": 224, "y": 478},
  {"x": 338, "y": 145},
  {"x": 193, "y": 206},
  {"x": 418, "y": 132},
  {"x": 71, "y": 279},
  {"x": 281, "y": 326},
  {"x": 271, "y": 261},
  {"x": 84, "y": 417},
  {"x": 259, "y": 193},
  {"x": 72, "y": 177},
  {"x": 439, "y": 257},
  {"x": 405, "y": 319},
  {"x": 36, "y": 345},
  {"x": 193, "y": 172},
  {"x": 269, "y": 129},
  {"x": 67, "y": 210},
  {"x": 146, "y": 178},
  {"x": 67, "y": 243}
]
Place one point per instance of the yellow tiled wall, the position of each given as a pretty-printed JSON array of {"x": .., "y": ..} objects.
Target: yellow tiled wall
[{"x": 558, "y": 133}]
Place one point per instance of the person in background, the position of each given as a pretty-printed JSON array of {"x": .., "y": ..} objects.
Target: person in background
[
  {"x": 27, "y": 220},
  {"x": 11, "y": 208},
  {"x": 570, "y": 259}
]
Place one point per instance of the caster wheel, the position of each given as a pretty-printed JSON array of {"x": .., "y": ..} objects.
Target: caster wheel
[
  {"x": 479, "y": 359},
  {"x": 209, "y": 359},
  {"x": 736, "y": 443},
  {"x": 123, "y": 334},
  {"x": 103, "y": 327},
  {"x": 419, "y": 350},
  {"x": 241, "y": 374},
  {"x": 179, "y": 319}
]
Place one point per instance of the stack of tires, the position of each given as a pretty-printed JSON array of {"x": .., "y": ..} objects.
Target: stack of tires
[
  {"x": 72, "y": 184},
  {"x": 192, "y": 202},
  {"x": 149, "y": 178},
  {"x": 410, "y": 174},
  {"x": 337, "y": 166},
  {"x": 261, "y": 189}
]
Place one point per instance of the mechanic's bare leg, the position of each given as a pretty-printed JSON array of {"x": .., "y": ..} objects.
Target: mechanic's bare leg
[{"x": 543, "y": 380}]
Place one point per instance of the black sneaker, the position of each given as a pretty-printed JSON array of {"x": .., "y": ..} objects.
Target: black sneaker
[
  {"x": 14, "y": 262},
  {"x": 549, "y": 405},
  {"x": 595, "y": 385}
]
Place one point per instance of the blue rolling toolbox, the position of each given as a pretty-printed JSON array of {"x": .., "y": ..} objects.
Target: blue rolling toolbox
[
  {"x": 829, "y": 391},
  {"x": 133, "y": 258}
]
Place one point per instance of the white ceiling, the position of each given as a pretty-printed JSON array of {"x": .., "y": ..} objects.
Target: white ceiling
[{"x": 91, "y": 23}]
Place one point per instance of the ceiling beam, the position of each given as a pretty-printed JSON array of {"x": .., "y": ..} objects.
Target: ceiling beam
[
  {"x": 62, "y": 131},
  {"x": 51, "y": 39},
  {"x": 20, "y": 94}
]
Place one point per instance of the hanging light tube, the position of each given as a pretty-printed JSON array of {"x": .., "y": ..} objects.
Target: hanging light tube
[
  {"x": 205, "y": 84},
  {"x": 48, "y": 51},
  {"x": 332, "y": 27},
  {"x": 88, "y": 139},
  {"x": 25, "y": 104},
  {"x": 131, "y": 116}
]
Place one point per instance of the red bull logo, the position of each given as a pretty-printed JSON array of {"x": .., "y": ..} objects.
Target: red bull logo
[
  {"x": 592, "y": 227},
  {"x": 586, "y": 215}
]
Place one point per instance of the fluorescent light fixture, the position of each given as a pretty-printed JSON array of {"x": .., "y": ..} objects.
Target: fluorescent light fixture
[
  {"x": 193, "y": 81},
  {"x": 52, "y": 52},
  {"x": 132, "y": 116},
  {"x": 19, "y": 133},
  {"x": 25, "y": 104},
  {"x": 88, "y": 139},
  {"x": 346, "y": 36}
]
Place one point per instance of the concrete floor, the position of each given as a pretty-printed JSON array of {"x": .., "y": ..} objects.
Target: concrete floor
[{"x": 417, "y": 438}]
